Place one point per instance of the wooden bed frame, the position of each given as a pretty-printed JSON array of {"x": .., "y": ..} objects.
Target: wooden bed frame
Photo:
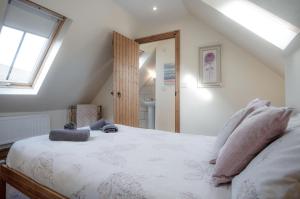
[{"x": 25, "y": 185}]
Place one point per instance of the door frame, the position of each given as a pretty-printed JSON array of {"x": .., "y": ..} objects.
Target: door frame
[{"x": 163, "y": 36}]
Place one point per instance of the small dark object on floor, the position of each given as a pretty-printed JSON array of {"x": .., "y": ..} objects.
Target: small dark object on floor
[
  {"x": 99, "y": 124},
  {"x": 70, "y": 125},
  {"x": 105, "y": 126},
  {"x": 110, "y": 128}
]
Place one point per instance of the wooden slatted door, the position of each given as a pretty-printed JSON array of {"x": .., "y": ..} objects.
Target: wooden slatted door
[{"x": 125, "y": 80}]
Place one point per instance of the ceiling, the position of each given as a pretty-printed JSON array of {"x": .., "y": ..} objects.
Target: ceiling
[{"x": 168, "y": 10}]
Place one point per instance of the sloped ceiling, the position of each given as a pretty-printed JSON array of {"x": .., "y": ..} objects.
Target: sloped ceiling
[
  {"x": 287, "y": 9},
  {"x": 85, "y": 59},
  {"x": 258, "y": 47}
]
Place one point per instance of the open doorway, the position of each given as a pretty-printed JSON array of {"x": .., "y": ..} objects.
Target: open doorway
[{"x": 159, "y": 81}]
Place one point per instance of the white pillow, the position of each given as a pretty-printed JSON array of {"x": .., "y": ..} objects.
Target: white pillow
[
  {"x": 274, "y": 173},
  {"x": 294, "y": 121}
]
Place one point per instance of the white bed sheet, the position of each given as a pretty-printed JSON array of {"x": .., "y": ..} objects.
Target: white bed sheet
[{"x": 131, "y": 164}]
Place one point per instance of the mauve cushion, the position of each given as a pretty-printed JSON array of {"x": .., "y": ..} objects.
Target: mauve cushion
[
  {"x": 233, "y": 122},
  {"x": 227, "y": 129},
  {"x": 259, "y": 129}
]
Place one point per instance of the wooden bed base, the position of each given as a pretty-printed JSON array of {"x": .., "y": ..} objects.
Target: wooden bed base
[{"x": 25, "y": 185}]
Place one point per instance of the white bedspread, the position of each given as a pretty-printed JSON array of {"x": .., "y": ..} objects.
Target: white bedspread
[{"x": 131, "y": 164}]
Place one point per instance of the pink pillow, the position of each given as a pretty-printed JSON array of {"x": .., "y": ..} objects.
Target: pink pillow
[
  {"x": 227, "y": 130},
  {"x": 259, "y": 129},
  {"x": 234, "y": 122}
]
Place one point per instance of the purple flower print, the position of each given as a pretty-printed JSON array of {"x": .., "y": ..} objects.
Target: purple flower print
[
  {"x": 209, "y": 68},
  {"x": 209, "y": 58}
]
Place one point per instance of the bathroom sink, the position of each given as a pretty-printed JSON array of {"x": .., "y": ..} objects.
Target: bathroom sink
[
  {"x": 149, "y": 103},
  {"x": 151, "y": 113}
]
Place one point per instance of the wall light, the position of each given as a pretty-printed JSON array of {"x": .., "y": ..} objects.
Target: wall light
[
  {"x": 190, "y": 81},
  {"x": 154, "y": 8},
  {"x": 202, "y": 93},
  {"x": 152, "y": 74}
]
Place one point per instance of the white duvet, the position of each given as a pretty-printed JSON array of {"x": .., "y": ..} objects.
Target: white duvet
[{"x": 131, "y": 164}]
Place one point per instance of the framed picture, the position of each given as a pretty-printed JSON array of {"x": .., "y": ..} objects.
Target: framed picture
[
  {"x": 210, "y": 66},
  {"x": 169, "y": 74}
]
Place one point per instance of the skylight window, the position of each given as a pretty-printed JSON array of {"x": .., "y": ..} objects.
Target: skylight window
[
  {"x": 28, "y": 33},
  {"x": 19, "y": 55},
  {"x": 263, "y": 23}
]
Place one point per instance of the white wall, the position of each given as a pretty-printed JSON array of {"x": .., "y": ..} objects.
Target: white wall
[
  {"x": 293, "y": 79},
  {"x": 58, "y": 118},
  {"x": 105, "y": 99},
  {"x": 204, "y": 110}
]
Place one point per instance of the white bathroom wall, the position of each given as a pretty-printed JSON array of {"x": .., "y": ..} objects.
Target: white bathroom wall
[
  {"x": 164, "y": 53},
  {"x": 147, "y": 92},
  {"x": 165, "y": 94},
  {"x": 146, "y": 82}
]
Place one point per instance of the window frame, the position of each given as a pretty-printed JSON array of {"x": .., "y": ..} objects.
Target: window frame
[{"x": 61, "y": 20}]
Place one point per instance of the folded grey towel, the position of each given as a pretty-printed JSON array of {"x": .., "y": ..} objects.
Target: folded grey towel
[
  {"x": 110, "y": 128},
  {"x": 99, "y": 124},
  {"x": 69, "y": 135}
]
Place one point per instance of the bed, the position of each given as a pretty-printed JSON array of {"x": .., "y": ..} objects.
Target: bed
[{"x": 131, "y": 164}]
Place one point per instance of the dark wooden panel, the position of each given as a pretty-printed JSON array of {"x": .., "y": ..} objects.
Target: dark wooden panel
[
  {"x": 125, "y": 80},
  {"x": 158, "y": 37},
  {"x": 177, "y": 86},
  {"x": 25, "y": 185},
  {"x": 2, "y": 189},
  {"x": 4, "y": 149}
]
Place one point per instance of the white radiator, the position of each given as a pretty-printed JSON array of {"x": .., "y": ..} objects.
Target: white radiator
[{"x": 19, "y": 127}]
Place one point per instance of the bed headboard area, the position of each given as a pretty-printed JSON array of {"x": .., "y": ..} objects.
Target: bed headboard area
[
  {"x": 19, "y": 127},
  {"x": 84, "y": 114},
  {"x": 292, "y": 78}
]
